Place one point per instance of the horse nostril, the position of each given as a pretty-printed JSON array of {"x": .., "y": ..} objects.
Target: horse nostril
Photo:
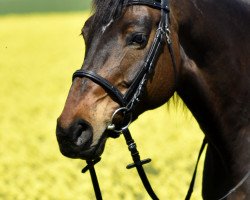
[{"x": 82, "y": 134}]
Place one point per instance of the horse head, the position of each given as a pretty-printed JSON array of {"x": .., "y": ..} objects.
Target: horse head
[{"x": 118, "y": 41}]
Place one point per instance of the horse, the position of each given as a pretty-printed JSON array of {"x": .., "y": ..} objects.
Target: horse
[{"x": 208, "y": 66}]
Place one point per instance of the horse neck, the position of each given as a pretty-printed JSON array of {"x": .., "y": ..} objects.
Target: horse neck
[{"x": 215, "y": 74}]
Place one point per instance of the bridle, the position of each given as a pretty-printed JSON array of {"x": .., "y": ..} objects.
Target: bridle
[{"x": 130, "y": 100}]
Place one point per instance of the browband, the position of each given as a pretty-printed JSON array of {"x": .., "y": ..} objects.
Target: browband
[{"x": 152, "y": 3}]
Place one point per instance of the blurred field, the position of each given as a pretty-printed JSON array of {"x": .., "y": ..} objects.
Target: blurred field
[
  {"x": 38, "y": 54},
  {"x": 31, "y": 6}
]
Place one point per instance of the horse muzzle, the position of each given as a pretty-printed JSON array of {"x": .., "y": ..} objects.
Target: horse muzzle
[{"x": 76, "y": 141}]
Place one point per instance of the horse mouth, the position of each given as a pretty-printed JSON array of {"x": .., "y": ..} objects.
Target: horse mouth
[{"x": 86, "y": 152}]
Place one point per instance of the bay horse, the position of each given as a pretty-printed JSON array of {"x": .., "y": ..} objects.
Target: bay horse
[{"x": 208, "y": 66}]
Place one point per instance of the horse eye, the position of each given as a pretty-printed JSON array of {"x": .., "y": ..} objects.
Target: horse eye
[{"x": 139, "y": 39}]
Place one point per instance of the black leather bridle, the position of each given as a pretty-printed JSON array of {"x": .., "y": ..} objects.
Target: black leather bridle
[{"x": 130, "y": 100}]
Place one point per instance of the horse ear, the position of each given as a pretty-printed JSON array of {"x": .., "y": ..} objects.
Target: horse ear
[{"x": 86, "y": 28}]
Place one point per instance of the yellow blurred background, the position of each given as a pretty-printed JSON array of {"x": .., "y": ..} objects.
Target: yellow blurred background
[{"x": 38, "y": 54}]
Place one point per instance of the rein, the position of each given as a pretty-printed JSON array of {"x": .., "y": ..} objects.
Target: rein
[{"x": 129, "y": 101}]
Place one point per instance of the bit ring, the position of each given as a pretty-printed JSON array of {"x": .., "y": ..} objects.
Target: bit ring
[{"x": 127, "y": 119}]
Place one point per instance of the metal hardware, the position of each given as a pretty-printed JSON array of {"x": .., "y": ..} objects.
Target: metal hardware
[{"x": 127, "y": 119}]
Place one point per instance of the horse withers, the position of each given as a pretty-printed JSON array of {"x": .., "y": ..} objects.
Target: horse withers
[{"x": 211, "y": 46}]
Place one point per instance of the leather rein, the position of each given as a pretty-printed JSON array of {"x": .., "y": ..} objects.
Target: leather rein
[{"x": 129, "y": 101}]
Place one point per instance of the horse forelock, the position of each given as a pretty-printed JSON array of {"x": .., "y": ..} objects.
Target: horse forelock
[{"x": 106, "y": 11}]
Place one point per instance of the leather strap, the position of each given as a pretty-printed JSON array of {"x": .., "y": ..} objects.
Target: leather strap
[
  {"x": 153, "y": 4},
  {"x": 90, "y": 167},
  {"x": 237, "y": 186},
  {"x": 106, "y": 85},
  {"x": 147, "y": 67},
  {"x": 191, "y": 186},
  {"x": 138, "y": 163}
]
